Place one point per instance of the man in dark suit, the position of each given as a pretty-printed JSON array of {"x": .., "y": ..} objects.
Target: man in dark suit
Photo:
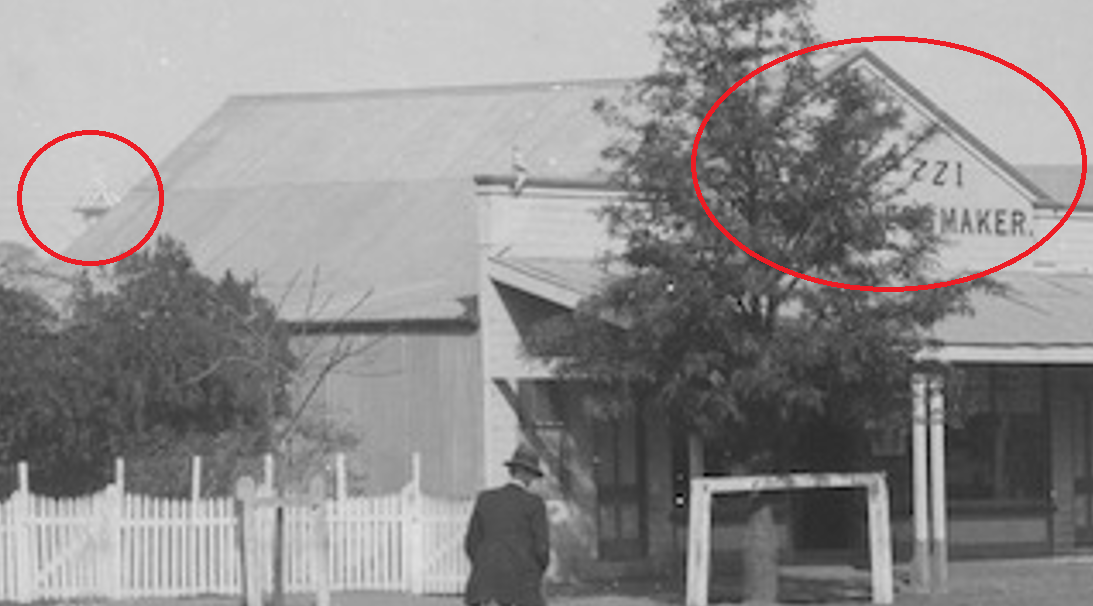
[{"x": 508, "y": 541}]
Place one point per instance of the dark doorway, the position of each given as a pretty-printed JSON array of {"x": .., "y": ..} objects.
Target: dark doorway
[
  {"x": 620, "y": 483},
  {"x": 1083, "y": 470}
]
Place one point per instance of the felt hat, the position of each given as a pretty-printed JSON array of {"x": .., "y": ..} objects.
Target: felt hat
[{"x": 525, "y": 458}]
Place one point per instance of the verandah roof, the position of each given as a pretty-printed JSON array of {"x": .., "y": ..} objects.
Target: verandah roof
[{"x": 1043, "y": 318}]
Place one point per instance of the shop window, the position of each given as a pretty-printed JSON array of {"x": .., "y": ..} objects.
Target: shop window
[{"x": 996, "y": 450}]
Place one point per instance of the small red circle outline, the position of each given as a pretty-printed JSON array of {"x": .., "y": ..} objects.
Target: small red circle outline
[
  {"x": 80, "y": 133},
  {"x": 911, "y": 287}
]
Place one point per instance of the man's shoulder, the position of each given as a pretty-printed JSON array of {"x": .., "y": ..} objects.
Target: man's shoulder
[{"x": 509, "y": 492}]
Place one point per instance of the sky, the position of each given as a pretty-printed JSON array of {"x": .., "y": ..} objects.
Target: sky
[{"x": 153, "y": 71}]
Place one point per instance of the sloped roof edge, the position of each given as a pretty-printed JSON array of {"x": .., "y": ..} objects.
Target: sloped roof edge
[
  {"x": 541, "y": 284},
  {"x": 1041, "y": 198}
]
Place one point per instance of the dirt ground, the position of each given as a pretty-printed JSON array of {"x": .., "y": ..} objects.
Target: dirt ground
[{"x": 1038, "y": 582}]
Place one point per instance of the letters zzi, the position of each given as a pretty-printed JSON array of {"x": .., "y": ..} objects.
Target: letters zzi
[{"x": 962, "y": 220}]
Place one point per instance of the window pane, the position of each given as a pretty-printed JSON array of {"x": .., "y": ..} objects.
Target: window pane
[
  {"x": 1081, "y": 505},
  {"x": 968, "y": 461},
  {"x": 628, "y": 453},
  {"x": 1016, "y": 389},
  {"x": 1023, "y": 465},
  {"x": 998, "y": 453},
  {"x": 630, "y": 521},
  {"x": 604, "y": 439},
  {"x": 607, "y": 523}
]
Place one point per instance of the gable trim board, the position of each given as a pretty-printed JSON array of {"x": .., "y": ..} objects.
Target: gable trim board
[
  {"x": 1052, "y": 354},
  {"x": 525, "y": 275},
  {"x": 925, "y": 106}
]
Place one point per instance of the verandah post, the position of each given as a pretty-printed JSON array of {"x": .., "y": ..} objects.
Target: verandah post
[
  {"x": 940, "y": 543},
  {"x": 920, "y": 563}
]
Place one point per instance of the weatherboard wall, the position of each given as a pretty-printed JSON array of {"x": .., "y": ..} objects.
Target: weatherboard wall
[
  {"x": 409, "y": 392},
  {"x": 559, "y": 224}
]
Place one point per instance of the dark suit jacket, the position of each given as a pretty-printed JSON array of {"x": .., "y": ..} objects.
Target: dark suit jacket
[{"x": 508, "y": 543}]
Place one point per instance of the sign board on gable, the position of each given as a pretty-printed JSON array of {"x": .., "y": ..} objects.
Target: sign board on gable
[{"x": 983, "y": 209}]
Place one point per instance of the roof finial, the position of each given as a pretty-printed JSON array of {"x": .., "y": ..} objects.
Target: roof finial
[
  {"x": 97, "y": 201},
  {"x": 520, "y": 168}
]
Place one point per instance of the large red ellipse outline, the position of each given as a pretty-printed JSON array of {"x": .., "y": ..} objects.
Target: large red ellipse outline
[
  {"x": 913, "y": 287},
  {"x": 80, "y": 133}
]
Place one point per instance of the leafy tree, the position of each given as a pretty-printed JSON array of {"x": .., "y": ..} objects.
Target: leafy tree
[
  {"x": 803, "y": 169},
  {"x": 177, "y": 356},
  {"x": 25, "y": 365},
  {"x": 152, "y": 361},
  {"x": 155, "y": 362}
]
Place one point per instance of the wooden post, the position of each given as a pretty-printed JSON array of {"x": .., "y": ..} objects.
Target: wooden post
[
  {"x": 696, "y": 456},
  {"x": 119, "y": 474},
  {"x": 340, "y": 488},
  {"x": 267, "y": 471},
  {"x": 940, "y": 545},
  {"x": 194, "y": 534},
  {"x": 195, "y": 479},
  {"x": 320, "y": 541},
  {"x": 113, "y": 504},
  {"x": 880, "y": 541},
  {"x": 920, "y": 563},
  {"x": 245, "y": 492},
  {"x": 698, "y": 544},
  {"x": 278, "y": 598},
  {"x": 272, "y": 546},
  {"x": 25, "y": 583},
  {"x": 415, "y": 535}
]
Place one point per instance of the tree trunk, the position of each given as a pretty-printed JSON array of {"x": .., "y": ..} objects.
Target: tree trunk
[{"x": 761, "y": 555}]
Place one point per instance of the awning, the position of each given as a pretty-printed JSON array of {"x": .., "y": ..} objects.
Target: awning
[{"x": 1044, "y": 318}]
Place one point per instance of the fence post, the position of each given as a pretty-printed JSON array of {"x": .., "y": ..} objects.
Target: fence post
[
  {"x": 245, "y": 492},
  {"x": 320, "y": 541},
  {"x": 21, "y": 521},
  {"x": 194, "y": 560},
  {"x": 413, "y": 548},
  {"x": 195, "y": 479},
  {"x": 340, "y": 489},
  {"x": 119, "y": 473},
  {"x": 112, "y": 503},
  {"x": 267, "y": 471}
]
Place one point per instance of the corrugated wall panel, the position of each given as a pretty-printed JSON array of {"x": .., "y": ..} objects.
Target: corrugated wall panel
[{"x": 410, "y": 392}]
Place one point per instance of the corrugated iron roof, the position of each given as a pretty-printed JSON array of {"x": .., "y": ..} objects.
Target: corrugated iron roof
[
  {"x": 1060, "y": 181},
  {"x": 376, "y": 189},
  {"x": 1041, "y": 310},
  {"x": 400, "y": 135}
]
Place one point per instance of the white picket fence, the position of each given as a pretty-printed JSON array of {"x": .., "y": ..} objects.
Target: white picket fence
[{"x": 117, "y": 545}]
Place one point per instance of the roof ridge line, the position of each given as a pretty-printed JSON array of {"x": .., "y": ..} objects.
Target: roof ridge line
[{"x": 455, "y": 89}]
